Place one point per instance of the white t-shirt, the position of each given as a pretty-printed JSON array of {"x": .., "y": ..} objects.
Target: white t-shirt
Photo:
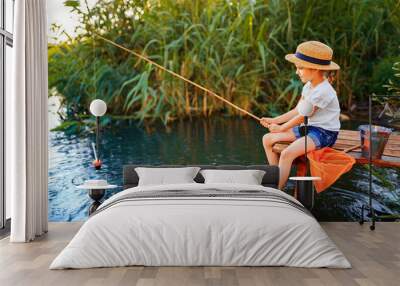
[{"x": 324, "y": 97}]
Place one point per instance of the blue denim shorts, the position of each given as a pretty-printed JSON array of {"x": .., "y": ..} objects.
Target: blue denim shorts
[{"x": 320, "y": 136}]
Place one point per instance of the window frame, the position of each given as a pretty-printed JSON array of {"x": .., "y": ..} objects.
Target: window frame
[{"x": 6, "y": 39}]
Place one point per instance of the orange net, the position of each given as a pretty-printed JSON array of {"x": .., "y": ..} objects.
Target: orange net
[{"x": 328, "y": 164}]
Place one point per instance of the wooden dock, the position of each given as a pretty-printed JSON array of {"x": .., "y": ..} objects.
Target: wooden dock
[{"x": 348, "y": 139}]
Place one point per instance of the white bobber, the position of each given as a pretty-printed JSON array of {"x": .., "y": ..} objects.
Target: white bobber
[{"x": 98, "y": 107}]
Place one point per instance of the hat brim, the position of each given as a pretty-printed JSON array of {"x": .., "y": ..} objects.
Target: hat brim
[
  {"x": 293, "y": 59},
  {"x": 89, "y": 187}
]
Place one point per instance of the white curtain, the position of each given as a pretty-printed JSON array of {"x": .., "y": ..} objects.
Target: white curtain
[{"x": 26, "y": 127}]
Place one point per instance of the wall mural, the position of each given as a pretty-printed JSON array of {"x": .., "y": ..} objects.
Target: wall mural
[{"x": 234, "y": 48}]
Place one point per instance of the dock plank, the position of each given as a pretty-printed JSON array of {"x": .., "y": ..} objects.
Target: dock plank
[{"x": 349, "y": 138}]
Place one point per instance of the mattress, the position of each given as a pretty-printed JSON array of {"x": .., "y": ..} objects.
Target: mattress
[{"x": 201, "y": 225}]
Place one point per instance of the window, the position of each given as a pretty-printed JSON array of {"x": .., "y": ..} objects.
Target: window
[
  {"x": 9, "y": 19},
  {"x": 6, "y": 44}
]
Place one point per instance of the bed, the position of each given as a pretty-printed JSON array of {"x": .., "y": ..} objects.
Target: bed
[{"x": 198, "y": 224}]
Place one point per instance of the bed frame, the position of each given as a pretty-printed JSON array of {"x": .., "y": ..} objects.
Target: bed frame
[{"x": 270, "y": 179}]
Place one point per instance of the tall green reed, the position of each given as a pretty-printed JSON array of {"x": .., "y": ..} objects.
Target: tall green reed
[{"x": 235, "y": 48}]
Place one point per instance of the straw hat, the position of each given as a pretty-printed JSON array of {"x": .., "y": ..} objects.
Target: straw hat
[{"x": 313, "y": 55}]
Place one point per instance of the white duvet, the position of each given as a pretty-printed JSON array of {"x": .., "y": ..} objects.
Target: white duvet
[{"x": 200, "y": 231}]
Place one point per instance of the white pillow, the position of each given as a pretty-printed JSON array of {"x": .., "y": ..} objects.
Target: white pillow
[
  {"x": 248, "y": 177},
  {"x": 163, "y": 176}
]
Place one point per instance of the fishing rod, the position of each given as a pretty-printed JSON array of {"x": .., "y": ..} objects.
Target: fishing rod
[{"x": 179, "y": 76}]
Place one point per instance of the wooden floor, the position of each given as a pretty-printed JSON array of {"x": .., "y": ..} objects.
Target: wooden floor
[{"x": 375, "y": 257}]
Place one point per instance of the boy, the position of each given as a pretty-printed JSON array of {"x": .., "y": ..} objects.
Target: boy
[{"x": 312, "y": 59}]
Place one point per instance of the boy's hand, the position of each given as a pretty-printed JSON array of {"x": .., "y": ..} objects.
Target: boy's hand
[
  {"x": 266, "y": 121},
  {"x": 275, "y": 128}
]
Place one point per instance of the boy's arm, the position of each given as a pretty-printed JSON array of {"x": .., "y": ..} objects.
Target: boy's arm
[
  {"x": 281, "y": 118},
  {"x": 296, "y": 120}
]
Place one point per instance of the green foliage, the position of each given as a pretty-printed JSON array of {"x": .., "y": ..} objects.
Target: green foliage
[
  {"x": 72, "y": 3},
  {"x": 70, "y": 127},
  {"x": 235, "y": 48},
  {"x": 383, "y": 74},
  {"x": 393, "y": 85}
]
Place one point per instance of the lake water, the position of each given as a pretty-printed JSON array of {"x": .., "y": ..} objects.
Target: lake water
[{"x": 217, "y": 140}]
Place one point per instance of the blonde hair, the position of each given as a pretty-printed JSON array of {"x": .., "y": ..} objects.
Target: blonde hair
[{"x": 331, "y": 76}]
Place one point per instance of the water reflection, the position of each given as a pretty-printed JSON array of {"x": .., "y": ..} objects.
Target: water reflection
[{"x": 217, "y": 140}]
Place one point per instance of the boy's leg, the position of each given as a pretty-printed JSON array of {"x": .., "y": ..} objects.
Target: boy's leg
[
  {"x": 293, "y": 151},
  {"x": 270, "y": 139}
]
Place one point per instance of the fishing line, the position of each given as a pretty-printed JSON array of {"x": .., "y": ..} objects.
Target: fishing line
[{"x": 179, "y": 76}]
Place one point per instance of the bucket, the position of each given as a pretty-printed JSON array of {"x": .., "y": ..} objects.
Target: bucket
[{"x": 380, "y": 136}]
